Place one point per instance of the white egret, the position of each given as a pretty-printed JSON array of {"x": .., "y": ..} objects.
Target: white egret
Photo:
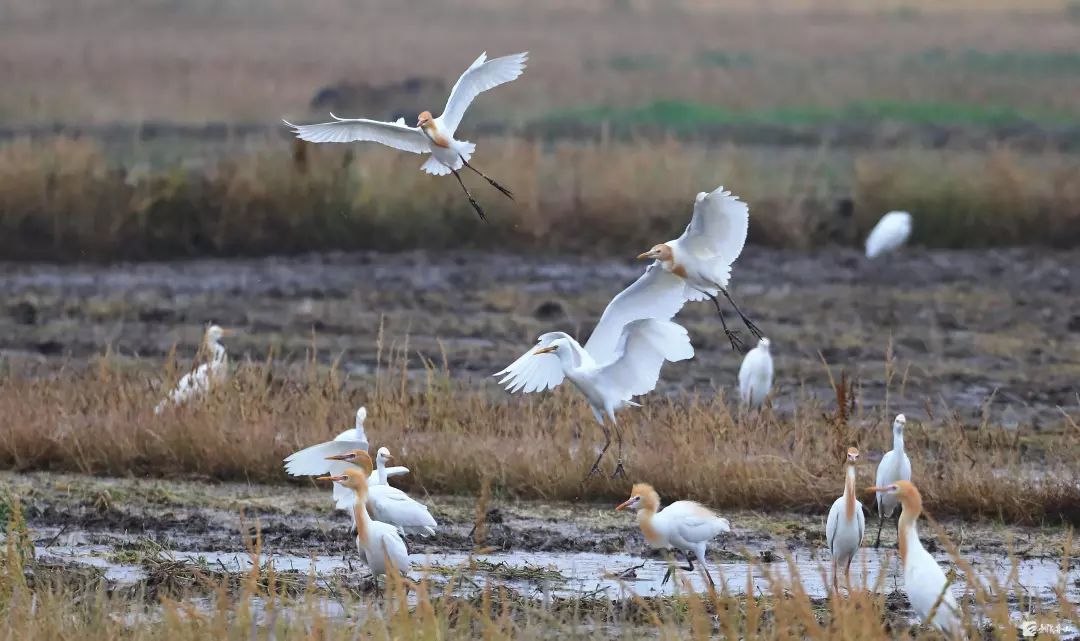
[
  {"x": 698, "y": 263},
  {"x": 686, "y": 526},
  {"x": 389, "y": 504},
  {"x": 894, "y": 466},
  {"x": 756, "y": 374},
  {"x": 924, "y": 581},
  {"x": 888, "y": 234},
  {"x": 210, "y": 374},
  {"x": 846, "y": 525},
  {"x": 430, "y": 135},
  {"x": 607, "y": 371}
]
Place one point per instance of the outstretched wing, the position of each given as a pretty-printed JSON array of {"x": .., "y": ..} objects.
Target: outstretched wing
[
  {"x": 311, "y": 461},
  {"x": 718, "y": 227},
  {"x": 643, "y": 347},
  {"x": 532, "y": 372},
  {"x": 392, "y": 134},
  {"x": 655, "y": 294},
  {"x": 483, "y": 74}
]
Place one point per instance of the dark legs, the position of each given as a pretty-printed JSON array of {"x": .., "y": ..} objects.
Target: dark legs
[
  {"x": 746, "y": 321},
  {"x": 881, "y": 520},
  {"x": 689, "y": 568},
  {"x": 607, "y": 443},
  {"x": 620, "y": 471},
  {"x": 472, "y": 200},
  {"x": 732, "y": 336},
  {"x": 506, "y": 192}
]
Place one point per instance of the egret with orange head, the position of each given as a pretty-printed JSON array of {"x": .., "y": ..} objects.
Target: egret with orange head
[
  {"x": 846, "y": 525},
  {"x": 389, "y": 504}
]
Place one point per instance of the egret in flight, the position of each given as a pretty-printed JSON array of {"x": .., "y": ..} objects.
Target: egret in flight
[
  {"x": 846, "y": 525},
  {"x": 389, "y": 504},
  {"x": 888, "y": 234},
  {"x": 620, "y": 360},
  {"x": 756, "y": 374},
  {"x": 698, "y": 263},
  {"x": 210, "y": 374},
  {"x": 684, "y": 525},
  {"x": 894, "y": 466},
  {"x": 433, "y": 136}
]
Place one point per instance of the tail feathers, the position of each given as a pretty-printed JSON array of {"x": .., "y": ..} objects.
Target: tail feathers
[{"x": 435, "y": 167}]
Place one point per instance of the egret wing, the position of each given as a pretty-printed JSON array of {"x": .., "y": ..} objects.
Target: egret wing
[
  {"x": 397, "y": 508},
  {"x": 483, "y": 74},
  {"x": 834, "y": 520},
  {"x": 392, "y": 471},
  {"x": 643, "y": 347},
  {"x": 311, "y": 461},
  {"x": 655, "y": 294},
  {"x": 392, "y": 134},
  {"x": 534, "y": 372},
  {"x": 695, "y": 522}
]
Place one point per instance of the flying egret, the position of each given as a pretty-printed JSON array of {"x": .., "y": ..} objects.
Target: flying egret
[
  {"x": 888, "y": 234},
  {"x": 379, "y": 544},
  {"x": 389, "y": 504},
  {"x": 430, "y": 135},
  {"x": 924, "y": 581},
  {"x": 846, "y": 525},
  {"x": 756, "y": 374},
  {"x": 210, "y": 374},
  {"x": 698, "y": 263},
  {"x": 609, "y": 373},
  {"x": 686, "y": 526},
  {"x": 894, "y": 466}
]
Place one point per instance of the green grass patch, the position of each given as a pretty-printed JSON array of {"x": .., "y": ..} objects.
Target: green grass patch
[{"x": 724, "y": 59}]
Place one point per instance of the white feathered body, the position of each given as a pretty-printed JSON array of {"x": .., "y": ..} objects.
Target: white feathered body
[
  {"x": 846, "y": 524},
  {"x": 894, "y": 466},
  {"x": 756, "y": 375},
  {"x": 379, "y": 542},
  {"x": 924, "y": 583},
  {"x": 391, "y": 505},
  {"x": 197, "y": 383},
  {"x": 684, "y": 525},
  {"x": 702, "y": 257},
  {"x": 888, "y": 234}
]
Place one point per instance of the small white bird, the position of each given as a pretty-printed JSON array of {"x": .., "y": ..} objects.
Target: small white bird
[
  {"x": 379, "y": 544},
  {"x": 756, "y": 375},
  {"x": 894, "y": 466},
  {"x": 389, "y": 504},
  {"x": 608, "y": 378},
  {"x": 433, "y": 136},
  {"x": 686, "y": 526},
  {"x": 698, "y": 263},
  {"x": 210, "y": 374},
  {"x": 888, "y": 234},
  {"x": 924, "y": 581},
  {"x": 846, "y": 524}
]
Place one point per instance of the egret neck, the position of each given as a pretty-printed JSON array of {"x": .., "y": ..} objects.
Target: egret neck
[
  {"x": 849, "y": 492},
  {"x": 898, "y": 437},
  {"x": 909, "y": 516},
  {"x": 650, "y": 503}
]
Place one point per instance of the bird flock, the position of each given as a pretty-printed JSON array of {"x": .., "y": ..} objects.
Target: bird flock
[{"x": 621, "y": 360}]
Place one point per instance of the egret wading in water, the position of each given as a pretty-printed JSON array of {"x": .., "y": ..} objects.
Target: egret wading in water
[
  {"x": 756, "y": 375},
  {"x": 924, "y": 581},
  {"x": 686, "y": 526},
  {"x": 698, "y": 263},
  {"x": 845, "y": 526},
  {"x": 210, "y": 374},
  {"x": 608, "y": 372},
  {"x": 431, "y": 135},
  {"x": 889, "y": 234},
  {"x": 894, "y": 466},
  {"x": 389, "y": 504}
]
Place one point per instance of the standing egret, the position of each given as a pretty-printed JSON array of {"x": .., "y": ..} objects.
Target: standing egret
[
  {"x": 430, "y": 135},
  {"x": 756, "y": 375},
  {"x": 607, "y": 377},
  {"x": 894, "y": 466},
  {"x": 698, "y": 263},
  {"x": 846, "y": 525},
  {"x": 389, "y": 504},
  {"x": 210, "y": 374},
  {"x": 888, "y": 234},
  {"x": 686, "y": 526},
  {"x": 924, "y": 581}
]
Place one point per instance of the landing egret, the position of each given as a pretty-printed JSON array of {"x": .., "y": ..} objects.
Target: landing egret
[
  {"x": 924, "y": 581},
  {"x": 894, "y": 466},
  {"x": 210, "y": 374},
  {"x": 379, "y": 544},
  {"x": 430, "y": 135},
  {"x": 608, "y": 374},
  {"x": 698, "y": 263},
  {"x": 756, "y": 374},
  {"x": 888, "y": 234},
  {"x": 389, "y": 504},
  {"x": 686, "y": 526},
  {"x": 846, "y": 525}
]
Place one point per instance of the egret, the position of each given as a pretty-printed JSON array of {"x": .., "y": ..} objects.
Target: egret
[
  {"x": 846, "y": 524},
  {"x": 379, "y": 544},
  {"x": 894, "y": 466},
  {"x": 756, "y": 374},
  {"x": 686, "y": 526},
  {"x": 389, "y": 504},
  {"x": 698, "y": 263},
  {"x": 924, "y": 581},
  {"x": 888, "y": 234},
  {"x": 210, "y": 374},
  {"x": 607, "y": 371},
  {"x": 430, "y": 135}
]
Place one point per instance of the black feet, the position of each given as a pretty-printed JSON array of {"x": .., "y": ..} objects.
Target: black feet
[{"x": 620, "y": 471}]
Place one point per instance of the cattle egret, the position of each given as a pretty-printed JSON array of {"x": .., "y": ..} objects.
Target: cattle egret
[
  {"x": 210, "y": 374},
  {"x": 389, "y": 504},
  {"x": 889, "y": 234},
  {"x": 686, "y": 526},
  {"x": 756, "y": 374},
  {"x": 619, "y": 361},
  {"x": 924, "y": 581},
  {"x": 379, "y": 544},
  {"x": 698, "y": 263},
  {"x": 846, "y": 524},
  {"x": 894, "y": 466},
  {"x": 433, "y": 136}
]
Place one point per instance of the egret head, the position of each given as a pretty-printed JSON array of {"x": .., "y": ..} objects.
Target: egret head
[
  {"x": 764, "y": 343},
  {"x": 356, "y": 457},
  {"x": 903, "y": 490},
  {"x": 215, "y": 333},
  {"x": 659, "y": 252},
  {"x": 642, "y": 495},
  {"x": 352, "y": 478},
  {"x": 383, "y": 455},
  {"x": 424, "y": 120},
  {"x": 361, "y": 416},
  {"x": 898, "y": 423},
  {"x": 852, "y": 455}
]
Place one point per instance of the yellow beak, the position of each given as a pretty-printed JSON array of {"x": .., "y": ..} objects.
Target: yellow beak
[
  {"x": 625, "y": 504},
  {"x": 546, "y": 350},
  {"x": 340, "y": 457},
  {"x": 332, "y": 478},
  {"x": 647, "y": 254}
]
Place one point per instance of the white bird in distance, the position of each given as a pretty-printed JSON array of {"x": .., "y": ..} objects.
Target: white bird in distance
[
  {"x": 756, "y": 375},
  {"x": 433, "y": 136},
  {"x": 888, "y": 234},
  {"x": 198, "y": 382}
]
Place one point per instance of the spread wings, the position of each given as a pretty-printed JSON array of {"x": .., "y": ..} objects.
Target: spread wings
[
  {"x": 655, "y": 294},
  {"x": 392, "y": 134},
  {"x": 483, "y": 74},
  {"x": 535, "y": 373},
  {"x": 643, "y": 347}
]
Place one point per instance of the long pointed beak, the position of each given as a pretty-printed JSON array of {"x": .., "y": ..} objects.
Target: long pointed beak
[
  {"x": 332, "y": 478},
  {"x": 625, "y": 504},
  {"x": 644, "y": 256},
  {"x": 546, "y": 350},
  {"x": 876, "y": 489},
  {"x": 389, "y": 457},
  {"x": 340, "y": 457}
]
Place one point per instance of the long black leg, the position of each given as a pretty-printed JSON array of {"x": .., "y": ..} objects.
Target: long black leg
[
  {"x": 689, "y": 562},
  {"x": 705, "y": 568},
  {"x": 746, "y": 321},
  {"x": 596, "y": 464},
  {"x": 736, "y": 344},
  {"x": 881, "y": 520},
  {"x": 619, "y": 469},
  {"x": 472, "y": 200},
  {"x": 667, "y": 575},
  {"x": 506, "y": 192}
]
